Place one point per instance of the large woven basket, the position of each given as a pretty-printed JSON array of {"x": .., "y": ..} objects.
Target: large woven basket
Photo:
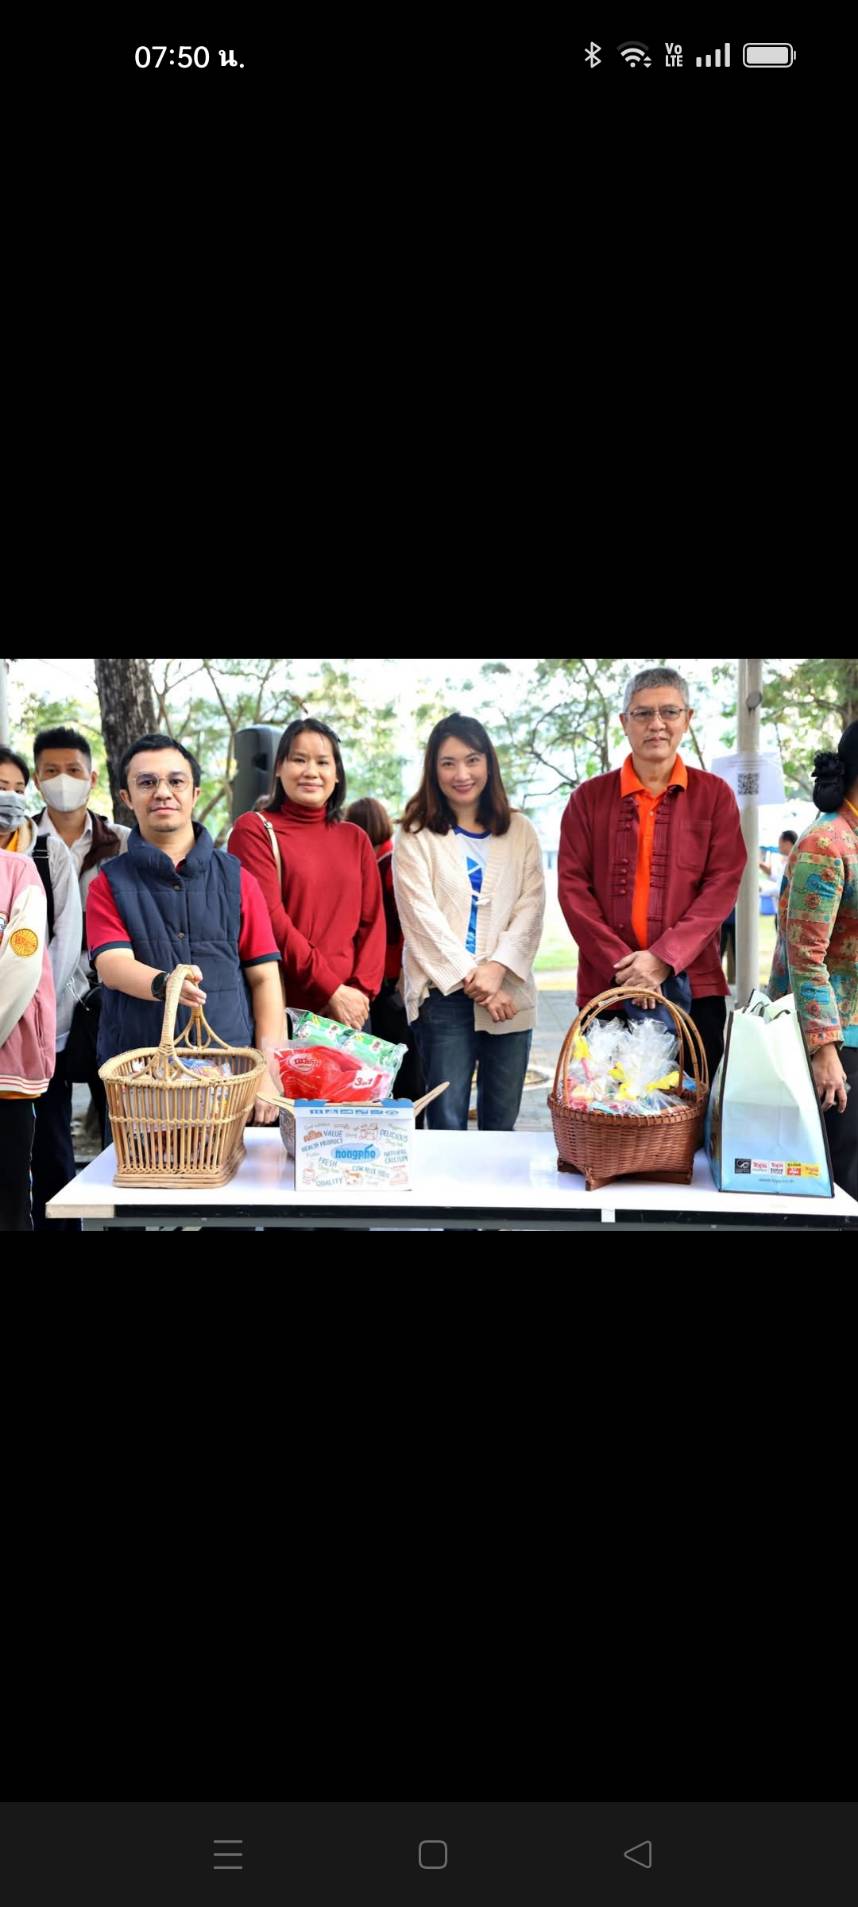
[
  {"x": 169, "y": 1126},
  {"x": 603, "y": 1146}
]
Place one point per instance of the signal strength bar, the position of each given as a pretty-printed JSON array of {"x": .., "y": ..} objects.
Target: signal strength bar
[{"x": 708, "y": 59}]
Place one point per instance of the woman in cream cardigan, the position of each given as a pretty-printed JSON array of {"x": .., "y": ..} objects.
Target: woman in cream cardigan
[{"x": 467, "y": 872}]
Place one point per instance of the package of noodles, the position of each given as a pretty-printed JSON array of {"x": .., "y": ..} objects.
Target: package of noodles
[{"x": 325, "y": 1060}]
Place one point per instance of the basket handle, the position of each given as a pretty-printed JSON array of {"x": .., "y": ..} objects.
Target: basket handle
[
  {"x": 197, "y": 1024},
  {"x": 614, "y": 995},
  {"x": 175, "y": 984}
]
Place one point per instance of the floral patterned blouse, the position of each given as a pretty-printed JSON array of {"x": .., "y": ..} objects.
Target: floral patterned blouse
[{"x": 816, "y": 956}]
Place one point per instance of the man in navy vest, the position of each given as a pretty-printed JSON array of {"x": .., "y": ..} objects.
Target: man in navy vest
[{"x": 175, "y": 899}]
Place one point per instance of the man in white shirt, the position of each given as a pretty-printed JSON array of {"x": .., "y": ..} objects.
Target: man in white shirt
[{"x": 65, "y": 778}]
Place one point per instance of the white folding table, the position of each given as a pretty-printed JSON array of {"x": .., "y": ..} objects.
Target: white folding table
[{"x": 463, "y": 1181}]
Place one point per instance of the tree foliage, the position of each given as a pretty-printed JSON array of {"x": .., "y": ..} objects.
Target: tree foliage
[
  {"x": 205, "y": 701},
  {"x": 566, "y": 726},
  {"x": 554, "y": 725},
  {"x": 43, "y": 711},
  {"x": 807, "y": 703}
]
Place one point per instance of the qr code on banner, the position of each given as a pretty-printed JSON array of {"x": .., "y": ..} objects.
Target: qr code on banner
[{"x": 749, "y": 784}]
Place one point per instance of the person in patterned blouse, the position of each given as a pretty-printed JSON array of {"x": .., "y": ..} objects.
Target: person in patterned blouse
[{"x": 816, "y": 956}]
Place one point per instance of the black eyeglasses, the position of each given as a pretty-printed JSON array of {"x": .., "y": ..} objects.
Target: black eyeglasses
[{"x": 646, "y": 715}]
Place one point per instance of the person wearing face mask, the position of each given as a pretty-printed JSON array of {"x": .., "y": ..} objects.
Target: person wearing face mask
[
  {"x": 66, "y": 781},
  {"x": 53, "y": 1155}
]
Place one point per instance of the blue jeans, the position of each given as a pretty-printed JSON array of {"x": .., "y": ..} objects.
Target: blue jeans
[{"x": 450, "y": 1047}]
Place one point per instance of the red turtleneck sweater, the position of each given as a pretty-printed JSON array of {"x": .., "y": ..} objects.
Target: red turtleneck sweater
[{"x": 328, "y": 918}]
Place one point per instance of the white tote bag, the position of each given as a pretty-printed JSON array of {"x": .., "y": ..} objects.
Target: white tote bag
[{"x": 764, "y": 1127}]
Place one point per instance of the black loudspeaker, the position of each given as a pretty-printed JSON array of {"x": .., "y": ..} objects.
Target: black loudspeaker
[{"x": 255, "y": 749}]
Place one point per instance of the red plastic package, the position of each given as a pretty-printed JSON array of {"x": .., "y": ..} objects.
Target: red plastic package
[{"x": 323, "y": 1072}]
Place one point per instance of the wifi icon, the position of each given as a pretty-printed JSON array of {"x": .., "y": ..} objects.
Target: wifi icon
[{"x": 634, "y": 53}]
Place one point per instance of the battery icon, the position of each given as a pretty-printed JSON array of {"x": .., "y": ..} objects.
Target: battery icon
[{"x": 768, "y": 54}]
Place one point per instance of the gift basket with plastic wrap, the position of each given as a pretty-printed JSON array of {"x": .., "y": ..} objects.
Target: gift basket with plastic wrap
[{"x": 622, "y": 1105}]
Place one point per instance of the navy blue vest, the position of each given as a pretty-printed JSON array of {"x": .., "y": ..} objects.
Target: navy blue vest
[{"x": 176, "y": 916}]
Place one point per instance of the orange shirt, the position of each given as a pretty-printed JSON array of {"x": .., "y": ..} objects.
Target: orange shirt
[{"x": 647, "y": 804}]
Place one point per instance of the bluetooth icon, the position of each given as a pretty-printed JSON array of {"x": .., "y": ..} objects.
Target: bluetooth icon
[{"x": 590, "y": 55}]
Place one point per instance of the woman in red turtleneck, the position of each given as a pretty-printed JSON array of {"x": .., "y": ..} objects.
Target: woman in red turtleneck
[{"x": 325, "y": 902}]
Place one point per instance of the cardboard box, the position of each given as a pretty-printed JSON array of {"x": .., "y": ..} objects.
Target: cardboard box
[{"x": 350, "y": 1147}]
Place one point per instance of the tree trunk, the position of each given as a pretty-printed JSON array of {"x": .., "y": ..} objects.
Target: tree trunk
[{"x": 127, "y": 711}]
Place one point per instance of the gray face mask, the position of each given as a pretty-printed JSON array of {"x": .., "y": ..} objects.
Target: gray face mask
[{"x": 13, "y": 810}]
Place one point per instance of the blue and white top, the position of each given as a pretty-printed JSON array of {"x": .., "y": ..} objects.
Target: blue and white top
[{"x": 475, "y": 850}]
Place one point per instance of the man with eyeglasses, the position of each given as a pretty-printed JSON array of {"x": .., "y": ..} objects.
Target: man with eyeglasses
[
  {"x": 651, "y": 856},
  {"x": 174, "y": 899}
]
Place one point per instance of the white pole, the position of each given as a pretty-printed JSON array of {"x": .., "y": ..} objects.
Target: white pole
[
  {"x": 749, "y": 699},
  {"x": 4, "y": 706}
]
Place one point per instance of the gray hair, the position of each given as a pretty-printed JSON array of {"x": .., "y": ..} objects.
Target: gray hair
[{"x": 655, "y": 679}]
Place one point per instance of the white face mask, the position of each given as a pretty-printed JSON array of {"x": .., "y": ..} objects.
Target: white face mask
[
  {"x": 66, "y": 792},
  {"x": 13, "y": 810}
]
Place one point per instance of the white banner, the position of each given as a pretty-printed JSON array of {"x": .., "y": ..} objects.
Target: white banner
[{"x": 756, "y": 778}]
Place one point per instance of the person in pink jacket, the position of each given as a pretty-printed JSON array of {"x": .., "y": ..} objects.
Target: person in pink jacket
[{"x": 28, "y": 1020}]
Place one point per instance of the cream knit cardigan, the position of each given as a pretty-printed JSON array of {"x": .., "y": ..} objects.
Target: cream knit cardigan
[{"x": 433, "y": 896}]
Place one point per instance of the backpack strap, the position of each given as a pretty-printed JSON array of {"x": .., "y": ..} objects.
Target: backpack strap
[{"x": 42, "y": 861}]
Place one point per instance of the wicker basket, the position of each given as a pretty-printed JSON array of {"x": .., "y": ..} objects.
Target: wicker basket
[
  {"x": 658, "y": 1145},
  {"x": 170, "y": 1127}
]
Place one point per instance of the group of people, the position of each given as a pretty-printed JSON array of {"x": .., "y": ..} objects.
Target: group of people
[{"x": 427, "y": 935}]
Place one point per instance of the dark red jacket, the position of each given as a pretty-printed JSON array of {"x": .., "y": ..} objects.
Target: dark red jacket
[{"x": 697, "y": 861}]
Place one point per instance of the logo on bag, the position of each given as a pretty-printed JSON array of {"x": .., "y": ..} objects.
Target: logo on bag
[
  {"x": 810, "y": 1171},
  {"x": 793, "y": 1171},
  {"x": 741, "y": 1165},
  {"x": 24, "y": 942}
]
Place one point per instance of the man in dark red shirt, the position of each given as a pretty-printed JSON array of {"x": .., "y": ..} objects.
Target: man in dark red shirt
[{"x": 651, "y": 856}]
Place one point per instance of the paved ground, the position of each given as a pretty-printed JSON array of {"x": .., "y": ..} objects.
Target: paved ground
[{"x": 557, "y": 1010}]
